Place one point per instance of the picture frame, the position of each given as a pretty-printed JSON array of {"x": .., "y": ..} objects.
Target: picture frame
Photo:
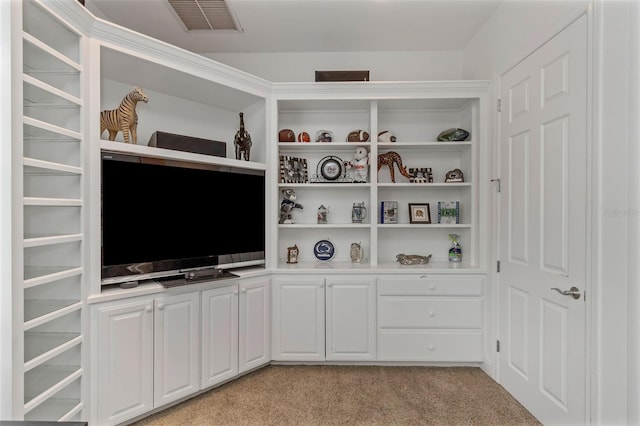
[
  {"x": 419, "y": 213},
  {"x": 420, "y": 175},
  {"x": 292, "y": 254},
  {"x": 293, "y": 170},
  {"x": 389, "y": 212}
]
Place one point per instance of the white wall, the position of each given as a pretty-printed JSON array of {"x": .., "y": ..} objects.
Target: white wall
[
  {"x": 383, "y": 66},
  {"x": 516, "y": 29},
  {"x": 615, "y": 197}
]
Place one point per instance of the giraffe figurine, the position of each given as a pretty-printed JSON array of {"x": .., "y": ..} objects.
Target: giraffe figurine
[{"x": 389, "y": 159}]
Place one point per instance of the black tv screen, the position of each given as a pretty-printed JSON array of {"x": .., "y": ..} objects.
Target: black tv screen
[{"x": 163, "y": 217}]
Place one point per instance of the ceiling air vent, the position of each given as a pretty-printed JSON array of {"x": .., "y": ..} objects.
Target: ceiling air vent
[{"x": 205, "y": 14}]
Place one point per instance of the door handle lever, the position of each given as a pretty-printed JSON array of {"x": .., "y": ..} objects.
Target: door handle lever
[{"x": 573, "y": 292}]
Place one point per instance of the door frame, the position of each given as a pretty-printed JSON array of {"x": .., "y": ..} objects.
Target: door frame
[{"x": 592, "y": 252}]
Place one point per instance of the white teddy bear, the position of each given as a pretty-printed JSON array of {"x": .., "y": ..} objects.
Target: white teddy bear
[{"x": 360, "y": 164}]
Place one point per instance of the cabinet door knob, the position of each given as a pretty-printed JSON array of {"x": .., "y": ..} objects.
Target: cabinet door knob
[
  {"x": 330, "y": 285},
  {"x": 161, "y": 306},
  {"x": 148, "y": 308},
  {"x": 244, "y": 290},
  {"x": 432, "y": 348},
  {"x": 432, "y": 314},
  {"x": 432, "y": 287}
]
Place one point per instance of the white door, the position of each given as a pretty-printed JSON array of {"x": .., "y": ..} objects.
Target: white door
[
  {"x": 125, "y": 360},
  {"x": 543, "y": 207},
  {"x": 255, "y": 323},
  {"x": 176, "y": 347},
  {"x": 219, "y": 335},
  {"x": 351, "y": 318},
  {"x": 298, "y": 319}
]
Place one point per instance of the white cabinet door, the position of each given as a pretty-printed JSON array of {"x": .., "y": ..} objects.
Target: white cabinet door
[
  {"x": 255, "y": 325},
  {"x": 219, "y": 335},
  {"x": 125, "y": 360},
  {"x": 176, "y": 347},
  {"x": 298, "y": 319},
  {"x": 351, "y": 318}
]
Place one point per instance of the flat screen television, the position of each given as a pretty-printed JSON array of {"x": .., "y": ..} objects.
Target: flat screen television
[{"x": 163, "y": 218}]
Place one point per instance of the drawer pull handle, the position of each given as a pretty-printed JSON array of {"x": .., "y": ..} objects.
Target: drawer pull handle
[
  {"x": 432, "y": 287},
  {"x": 432, "y": 314},
  {"x": 432, "y": 348}
]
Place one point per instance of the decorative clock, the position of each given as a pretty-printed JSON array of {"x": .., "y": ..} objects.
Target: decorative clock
[{"x": 331, "y": 169}]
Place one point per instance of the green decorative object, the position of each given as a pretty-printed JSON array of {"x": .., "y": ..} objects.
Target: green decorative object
[{"x": 450, "y": 135}]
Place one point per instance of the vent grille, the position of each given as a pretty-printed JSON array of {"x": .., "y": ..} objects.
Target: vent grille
[{"x": 205, "y": 14}]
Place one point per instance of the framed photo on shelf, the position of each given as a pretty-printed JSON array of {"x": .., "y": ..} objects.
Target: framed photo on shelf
[
  {"x": 293, "y": 170},
  {"x": 449, "y": 212},
  {"x": 419, "y": 213},
  {"x": 420, "y": 175},
  {"x": 389, "y": 212}
]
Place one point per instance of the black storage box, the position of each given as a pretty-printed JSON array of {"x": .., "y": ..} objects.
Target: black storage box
[{"x": 188, "y": 144}]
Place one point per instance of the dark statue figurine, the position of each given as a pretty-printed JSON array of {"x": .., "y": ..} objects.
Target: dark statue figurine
[{"x": 242, "y": 141}]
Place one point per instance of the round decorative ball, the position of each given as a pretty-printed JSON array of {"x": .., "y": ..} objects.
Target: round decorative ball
[
  {"x": 304, "y": 137},
  {"x": 324, "y": 136},
  {"x": 358, "y": 136},
  {"x": 286, "y": 135},
  {"x": 386, "y": 136}
]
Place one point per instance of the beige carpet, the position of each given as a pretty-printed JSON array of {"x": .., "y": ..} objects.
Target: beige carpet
[{"x": 352, "y": 395}]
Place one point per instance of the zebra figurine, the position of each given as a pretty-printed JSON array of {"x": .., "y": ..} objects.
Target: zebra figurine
[{"x": 124, "y": 118}]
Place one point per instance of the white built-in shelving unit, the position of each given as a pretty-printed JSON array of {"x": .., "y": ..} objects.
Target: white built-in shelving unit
[
  {"x": 49, "y": 214},
  {"x": 416, "y": 113}
]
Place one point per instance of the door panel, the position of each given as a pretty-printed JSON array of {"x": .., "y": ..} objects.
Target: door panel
[{"x": 543, "y": 159}]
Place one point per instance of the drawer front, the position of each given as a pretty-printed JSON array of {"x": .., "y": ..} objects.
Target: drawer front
[
  {"x": 425, "y": 312},
  {"x": 427, "y": 345},
  {"x": 430, "y": 286}
]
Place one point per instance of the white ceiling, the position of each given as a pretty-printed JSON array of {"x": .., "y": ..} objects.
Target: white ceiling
[{"x": 312, "y": 25}]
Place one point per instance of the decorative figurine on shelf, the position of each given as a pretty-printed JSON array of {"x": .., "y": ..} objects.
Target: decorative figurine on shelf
[
  {"x": 453, "y": 135},
  {"x": 242, "y": 141},
  {"x": 357, "y": 253},
  {"x": 124, "y": 118},
  {"x": 360, "y": 164},
  {"x": 412, "y": 259},
  {"x": 287, "y": 204},
  {"x": 323, "y": 212},
  {"x": 455, "y": 252},
  {"x": 389, "y": 159},
  {"x": 358, "y": 212},
  {"x": 292, "y": 254},
  {"x": 454, "y": 175}
]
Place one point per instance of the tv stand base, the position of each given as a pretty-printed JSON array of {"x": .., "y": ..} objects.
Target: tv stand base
[{"x": 195, "y": 277}]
